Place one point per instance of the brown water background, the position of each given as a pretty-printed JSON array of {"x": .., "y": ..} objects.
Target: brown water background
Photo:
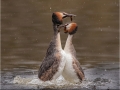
[{"x": 26, "y": 30}]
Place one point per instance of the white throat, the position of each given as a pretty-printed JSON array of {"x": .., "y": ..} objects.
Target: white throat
[
  {"x": 68, "y": 43},
  {"x": 58, "y": 41}
]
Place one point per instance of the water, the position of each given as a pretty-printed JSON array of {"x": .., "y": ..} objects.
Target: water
[{"x": 27, "y": 30}]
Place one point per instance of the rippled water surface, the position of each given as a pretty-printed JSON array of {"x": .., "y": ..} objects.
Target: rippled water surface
[{"x": 26, "y": 30}]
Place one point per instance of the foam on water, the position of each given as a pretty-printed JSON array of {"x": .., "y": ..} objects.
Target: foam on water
[
  {"x": 58, "y": 83},
  {"x": 37, "y": 81}
]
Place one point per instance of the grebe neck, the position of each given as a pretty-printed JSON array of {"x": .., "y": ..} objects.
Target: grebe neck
[{"x": 68, "y": 45}]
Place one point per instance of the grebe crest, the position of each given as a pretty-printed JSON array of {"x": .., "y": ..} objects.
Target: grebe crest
[
  {"x": 57, "y": 17},
  {"x": 71, "y": 28}
]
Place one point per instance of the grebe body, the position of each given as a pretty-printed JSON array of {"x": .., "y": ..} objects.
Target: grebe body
[
  {"x": 53, "y": 64},
  {"x": 72, "y": 70}
]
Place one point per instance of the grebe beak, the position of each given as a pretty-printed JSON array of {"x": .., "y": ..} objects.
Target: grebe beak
[
  {"x": 69, "y": 15},
  {"x": 62, "y": 26}
]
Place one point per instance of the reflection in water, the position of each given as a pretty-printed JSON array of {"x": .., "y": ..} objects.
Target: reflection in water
[{"x": 27, "y": 31}]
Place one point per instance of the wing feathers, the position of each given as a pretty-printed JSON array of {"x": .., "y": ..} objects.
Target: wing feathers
[{"x": 78, "y": 69}]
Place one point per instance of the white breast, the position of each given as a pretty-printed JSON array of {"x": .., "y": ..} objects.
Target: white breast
[
  {"x": 61, "y": 66},
  {"x": 69, "y": 72}
]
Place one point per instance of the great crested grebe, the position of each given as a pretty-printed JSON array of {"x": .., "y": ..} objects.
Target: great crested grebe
[
  {"x": 53, "y": 63},
  {"x": 72, "y": 70}
]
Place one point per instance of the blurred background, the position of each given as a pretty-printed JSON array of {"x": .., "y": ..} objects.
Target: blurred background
[{"x": 27, "y": 30}]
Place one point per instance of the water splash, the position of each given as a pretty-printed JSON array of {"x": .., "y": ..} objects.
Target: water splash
[{"x": 59, "y": 83}]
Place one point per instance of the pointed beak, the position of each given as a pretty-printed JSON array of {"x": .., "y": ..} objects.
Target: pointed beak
[
  {"x": 69, "y": 15},
  {"x": 63, "y": 26},
  {"x": 65, "y": 31}
]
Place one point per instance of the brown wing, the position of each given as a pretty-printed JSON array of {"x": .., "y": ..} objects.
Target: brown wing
[
  {"x": 48, "y": 68},
  {"x": 78, "y": 69},
  {"x": 50, "y": 63}
]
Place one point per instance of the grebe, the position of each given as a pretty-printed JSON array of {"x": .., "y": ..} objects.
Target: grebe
[
  {"x": 53, "y": 63},
  {"x": 72, "y": 70}
]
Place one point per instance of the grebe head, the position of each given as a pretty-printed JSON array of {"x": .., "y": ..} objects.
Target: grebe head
[
  {"x": 57, "y": 17},
  {"x": 70, "y": 28}
]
